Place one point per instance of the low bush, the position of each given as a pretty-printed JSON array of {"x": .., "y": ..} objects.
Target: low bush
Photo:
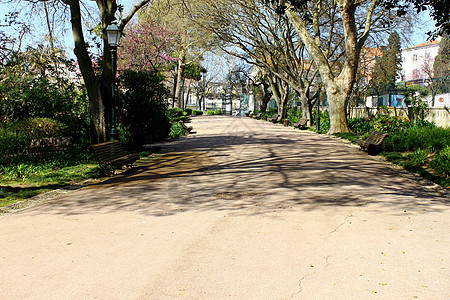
[
  {"x": 142, "y": 108},
  {"x": 38, "y": 128},
  {"x": 188, "y": 111},
  {"x": 360, "y": 126},
  {"x": 176, "y": 130},
  {"x": 441, "y": 162},
  {"x": 197, "y": 112},
  {"x": 294, "y": 115},
  {"x": 176, "y": 114},
  {"x": 324, "y": 121},
  {"x": 388, "y": 124},
  {"x": 411, "y": 139},
  {"x": 214, "y": 112},
  {"x": 418, "y": 157}
]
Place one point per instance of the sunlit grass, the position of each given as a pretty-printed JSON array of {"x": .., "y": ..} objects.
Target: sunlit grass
[{"x": 32, "y": 180}]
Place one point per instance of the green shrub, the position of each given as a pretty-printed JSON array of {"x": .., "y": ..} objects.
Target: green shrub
[
  {"x": 142, "y": 108},
  {"x": 410, "y": 139},
  {"x": 418, "y": 157},
  {"x": 39, "y": 128},
  {"x": 197, "y": 112},
  {"x": 214, "y": 112},
  {"x": 360, "y": 125},
  {"x": 294, "y": 115},
  {"x": 12, "y": 145},
  {"x": 388, "y": 124},
  {"x": 188, "y": 111},
  {"x": 176, "y": 114},
  {"x": 176, "y": 130},
  {"x": 441, "y": 162},
  {"x": 324, "y": 121}
]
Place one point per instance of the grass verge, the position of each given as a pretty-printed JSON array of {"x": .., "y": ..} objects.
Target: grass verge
[
  {"x": 407, "y": 161},
  {"x": 15, "y": 188}
]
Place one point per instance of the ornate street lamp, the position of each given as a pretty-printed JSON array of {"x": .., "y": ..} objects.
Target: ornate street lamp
[{"x": 113, "y": 32}]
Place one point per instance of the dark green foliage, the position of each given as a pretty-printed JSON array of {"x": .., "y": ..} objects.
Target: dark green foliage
[
  {"x": 176, "y": 130},
  {"x": 294, "y": 114},
  {"x": 348, "y": 136},
  {"x": 410, "y": 139},
  {"x": 388, "y": 124},
  {"x": 35, "y": 85},
  {"x": 38, "y": 128},
  {"x": 141, "y": 108},
  {"x": 442, "y": 61},
  {"x": 188, "y": 111},
  {"x": 360, "y": 126},
  {"x": 324, "y": 121},
  {"x": 214, "y": 112},
  {"x": 17, "y": 138},
  {"x": 441, "y": 162},
  {"x": 387, "y": 67},
  {"x": 418, "y": 157},
  {"x": 197, "y": 112},
  {"x": 13, "y": 145},
  {"x": 176, "y": 114},
  {"x": 194, "y": 71}
]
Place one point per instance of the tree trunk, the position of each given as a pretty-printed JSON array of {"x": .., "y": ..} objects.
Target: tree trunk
[
  {"x": 337, "y": 102},
  {"x": 180, "y": 78},
  {"x": 267, "y": 95},
  {"x": 284, "y": 100},
  {"x": 99, "y": 90},
  {"x": 338, "y": 88},
  {"x": 93, "y": 85}
]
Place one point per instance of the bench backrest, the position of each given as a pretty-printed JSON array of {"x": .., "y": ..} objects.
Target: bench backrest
[
  {"x": 302, "y": 121},
  {"x": 376, "y": 137},
  {"x": 183, "y": 125},
  {"x": 108, "y": 151}
]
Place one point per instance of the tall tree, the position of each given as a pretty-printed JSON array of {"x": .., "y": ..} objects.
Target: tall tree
[
  {"x": 442, "y": 60},
  {"x": 387, "y": 66},
  {"x": 356, "y": 18},
  {"x": 97, "y": 79},
  {"x": 192, "y": 42},
  {"x": 147, "y": 46},
  {"x": 256, "y": 34}
]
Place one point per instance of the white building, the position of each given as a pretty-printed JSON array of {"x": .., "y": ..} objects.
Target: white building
[{"x": 417, "y": 62}]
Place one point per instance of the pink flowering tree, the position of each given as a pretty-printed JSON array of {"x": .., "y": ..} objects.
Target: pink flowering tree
[{"x": 147, "y": 46}]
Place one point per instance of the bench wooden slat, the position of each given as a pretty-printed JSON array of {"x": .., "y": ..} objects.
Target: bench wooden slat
[
  {"x": 301, "y": 123},
  {"x": 373, "y": 142},
  {"x": 257, "y": 116},
  {"x": 111, "y": 155},
  {"x": 275, "y": 118}
]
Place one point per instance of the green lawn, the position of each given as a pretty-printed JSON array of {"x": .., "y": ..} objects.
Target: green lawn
[{"x": 25, "y": 181}]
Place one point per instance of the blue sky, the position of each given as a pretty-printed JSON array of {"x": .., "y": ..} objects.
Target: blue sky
[{"x": 426, "y": 24}]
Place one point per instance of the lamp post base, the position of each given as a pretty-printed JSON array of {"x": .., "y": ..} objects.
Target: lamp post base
[{"x": 114, "y": 135}]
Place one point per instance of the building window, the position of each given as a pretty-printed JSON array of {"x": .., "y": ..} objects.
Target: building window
[{"x": 415, "y": 57}]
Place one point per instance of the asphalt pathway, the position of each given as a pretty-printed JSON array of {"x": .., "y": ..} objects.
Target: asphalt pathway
[{"x": 243, "y": 209}]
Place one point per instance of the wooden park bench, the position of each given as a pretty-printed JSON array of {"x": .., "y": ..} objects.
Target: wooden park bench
[
  {"x": 301, "y": 124},
  {"x": 257, "y": 116},
  {"x": 111, "y": 156},
  {"x": 275, "y": 118},
  {"x": 373, "y": 143},
  {"x": 187, "y": 130}
]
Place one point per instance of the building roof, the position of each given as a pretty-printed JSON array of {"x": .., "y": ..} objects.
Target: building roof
[{"x": 427, "y": 43}]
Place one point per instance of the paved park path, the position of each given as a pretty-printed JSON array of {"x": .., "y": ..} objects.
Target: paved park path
[{"x": 243, "y": 209}]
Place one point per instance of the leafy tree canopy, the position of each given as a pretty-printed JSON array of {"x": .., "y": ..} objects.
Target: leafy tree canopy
[{"x": 442, "y": 61}]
